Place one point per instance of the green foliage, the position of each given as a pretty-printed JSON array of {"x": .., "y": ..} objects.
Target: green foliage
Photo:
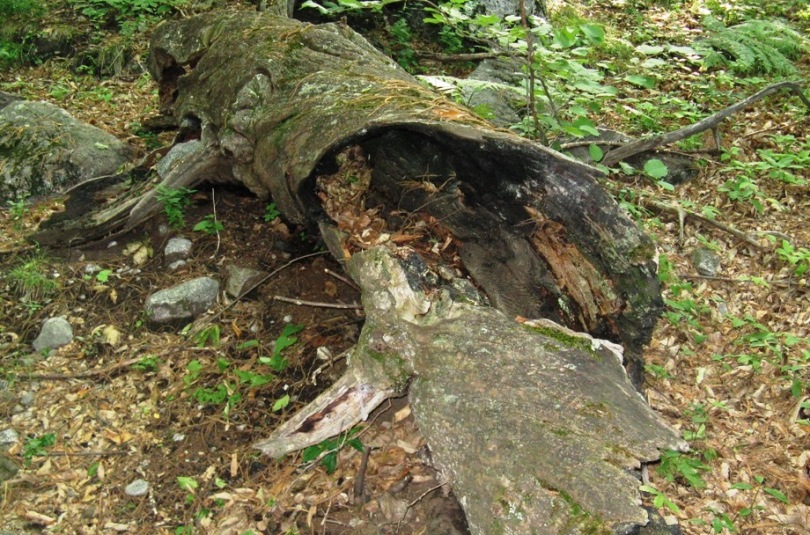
[
  {"x": 660, "y": 499},
  {"x": 175, "y": 201},
  {"x": 271, "y": 212},
  {"x": 130, "y": 16},
  {"x": 209, "y": 225},
  {"x": 328, "y": 450},
  {"x": 36, "y": 446},
  {"x": 797, "y": 257},
  {"x": 29, "y": 280},
  {"x": 675, "y": 464},
  {"x": 208, "y": 336},
  {"x": 148, "y": 363},
  {"x": 21, "y": 8},
  {"x": 752, "y": 47}
]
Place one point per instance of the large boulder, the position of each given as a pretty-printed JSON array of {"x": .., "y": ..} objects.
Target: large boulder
[{"x": 43, "y": 149}]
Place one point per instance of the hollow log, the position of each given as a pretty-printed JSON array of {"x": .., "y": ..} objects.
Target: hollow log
[{"x": 272, "y": 104}]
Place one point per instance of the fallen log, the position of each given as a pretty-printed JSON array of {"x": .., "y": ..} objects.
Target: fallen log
[{"x": 277, "y": 105}]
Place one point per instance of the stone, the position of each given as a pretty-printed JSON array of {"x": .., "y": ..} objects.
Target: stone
[
  {"x": 183, "y": 301},
  {"x": 56, "y": 332},
  {"x": 8, "y": 437},
  {"x": 46, "y": 150},
  {"x": 139, "y": 487},
  {"x": 26, "y": 399},
  {"x": 176, "y": 252},
  {"x": 241, "y": 279},
  {"x": 7, "y": 468},
  {"x": 705, "y": 261}
]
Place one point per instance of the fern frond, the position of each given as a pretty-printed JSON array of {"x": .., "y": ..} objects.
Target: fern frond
[{"x": 755, "y": 46}]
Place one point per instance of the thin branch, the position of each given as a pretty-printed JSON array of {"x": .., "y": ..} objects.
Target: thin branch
[
  {"x": 683, "y": 213},
  {"x": 83, "y": 375},
  {"x": 532, "y": 101},
  {"x": 648, "y": 143},
  {"x": 469, "y": 56},
  {"x": 342, "y": 279},
  {"x": 319, "y": 304}
]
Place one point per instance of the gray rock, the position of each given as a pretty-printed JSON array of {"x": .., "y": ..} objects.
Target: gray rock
[
  {"x": 505, "y": 8},
  {"x": 7, "y": 98},
  {"x": 45, "y": 150},
  {"x": 26, "y": 399},
  {"x": 56, "y": 332},
  {"x": 175, "y": 253},
  {"x": 241, "y": 279},
  {"x": 7, "y": 468},
  {"x": 139, "y": 487},
  {"x": 8, "y": 437},
  {"x": 705, "y": 261},
  {"x": 183, "y": 301}
]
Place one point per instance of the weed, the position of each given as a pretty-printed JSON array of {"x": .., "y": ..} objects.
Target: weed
[
  {"x": 209, "y": 336},
  {"x": 148, "y": 363},
  {"x": 209, "y": 225},
  {"x": 675, "y": 464},
  {"x": 660, "y": 499},
  {"x": 36, "y": 446},
  {"x": 328, "y": 450},
  {"x": 175, "y": 201},
  {"x": 29, "y": 281},
  {"x": 271, "y": 212}
]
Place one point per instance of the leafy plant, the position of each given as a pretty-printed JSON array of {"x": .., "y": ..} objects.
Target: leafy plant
[
  {"x": 675, "y": 464},
  {"x": 328, "y": 450},
  {"x": 130, "y": 16},
  {"x": 36, "y": 446},
  {"x": 209, "y": 335},
  {"x": 209, "y": 225},
  {"x": 148, "y": 363},
  {"x": 28, "y": 279},
  {"x": 271, "y": 212},
  {"x": 754, "y": 46},
  {"x": 285, "y": 340},
  {"x": 660, "y": 499},
  {"x": 175, "y": 201}
]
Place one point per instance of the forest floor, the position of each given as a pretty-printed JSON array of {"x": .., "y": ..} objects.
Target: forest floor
[{"x": 729, "y": 364}]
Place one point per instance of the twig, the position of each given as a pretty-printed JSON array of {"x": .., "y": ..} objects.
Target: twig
[
  {"x": 214, "y": 206},
  {"x": 205, "y": 321},
  {"x": 532, "y": 101},
  {"x": 359, "y": 483},
  {"x": 83, "y": 375},
  {"x": 341, "y": 278},
  {"x": 417, "y": 500},
  {"x": 470, "y": 56},
  {"x": 83, "y": 453},
  {"x": 683, "y": 212},
  {"x": 648, "y": 143},
  {"x": 302, "y": 302}
]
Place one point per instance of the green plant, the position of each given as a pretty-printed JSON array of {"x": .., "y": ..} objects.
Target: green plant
[
  {"x": 29, "y": 281},
  {"x": 660, "y": 499},
  {"x": 754, "y": 46},
  {"x": 36, "y": 446},
  {"x": 209, "y": 335},
  {"x": 148, "y": 363},
  {"x": 675, "y": 464},
  {"x": 130, "y": 16},
  {"x": 327, "y": 451},
  {"x": 797, "y": 257},
  {"x": 284, "y": 340},
  {"x": 271, "y": 212},
  {"x": 209, "y": 225},
  {"x": 175, "y": 201}
]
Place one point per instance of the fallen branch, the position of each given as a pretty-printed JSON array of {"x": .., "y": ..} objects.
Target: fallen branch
[
  {"x": 682, "y": 213},
  {"x": 319, "y": 304},
  {"x": 648, "y": 143}
]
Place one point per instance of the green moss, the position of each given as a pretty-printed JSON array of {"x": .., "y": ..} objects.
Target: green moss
[{"x": 574, "y": 342}]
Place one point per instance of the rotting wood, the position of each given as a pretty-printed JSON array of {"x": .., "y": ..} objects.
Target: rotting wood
[{"x": 269, "y": 103}]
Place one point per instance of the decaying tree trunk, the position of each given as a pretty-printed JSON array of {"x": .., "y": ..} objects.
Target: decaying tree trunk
[{"x": 534, "y": 425}]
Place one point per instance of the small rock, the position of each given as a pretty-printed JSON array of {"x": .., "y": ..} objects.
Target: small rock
[
  {"x": 183, "y": 301},
  {"x": 241, "y": 279},
  {"x": 705, "y": 261},
  {"x": 7, "y": 468},
  {"x": 92, "y": 268},
  {"x": 174, "y": 266},
  {"x": 56, "y": 332},
  {"x": 8, "y": 437},
  {"x": 139, "y": 487},
  {"x": 26, "y": 399},
  {"x": 176, "y": 249}
]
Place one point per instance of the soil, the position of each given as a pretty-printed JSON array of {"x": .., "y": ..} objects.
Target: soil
[{"x": 116, "y": 424}]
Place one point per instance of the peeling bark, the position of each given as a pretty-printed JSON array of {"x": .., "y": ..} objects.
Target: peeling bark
[{"x": 529, "y": 426}]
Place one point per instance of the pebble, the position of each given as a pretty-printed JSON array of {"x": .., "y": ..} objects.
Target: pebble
[
  {"x": 139, "y": 487},
  {"x": 7, "y": 437},
  {"x": 26, "y": 399}
]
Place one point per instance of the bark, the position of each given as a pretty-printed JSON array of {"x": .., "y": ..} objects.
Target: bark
[{"x": 269, "y": 102}]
